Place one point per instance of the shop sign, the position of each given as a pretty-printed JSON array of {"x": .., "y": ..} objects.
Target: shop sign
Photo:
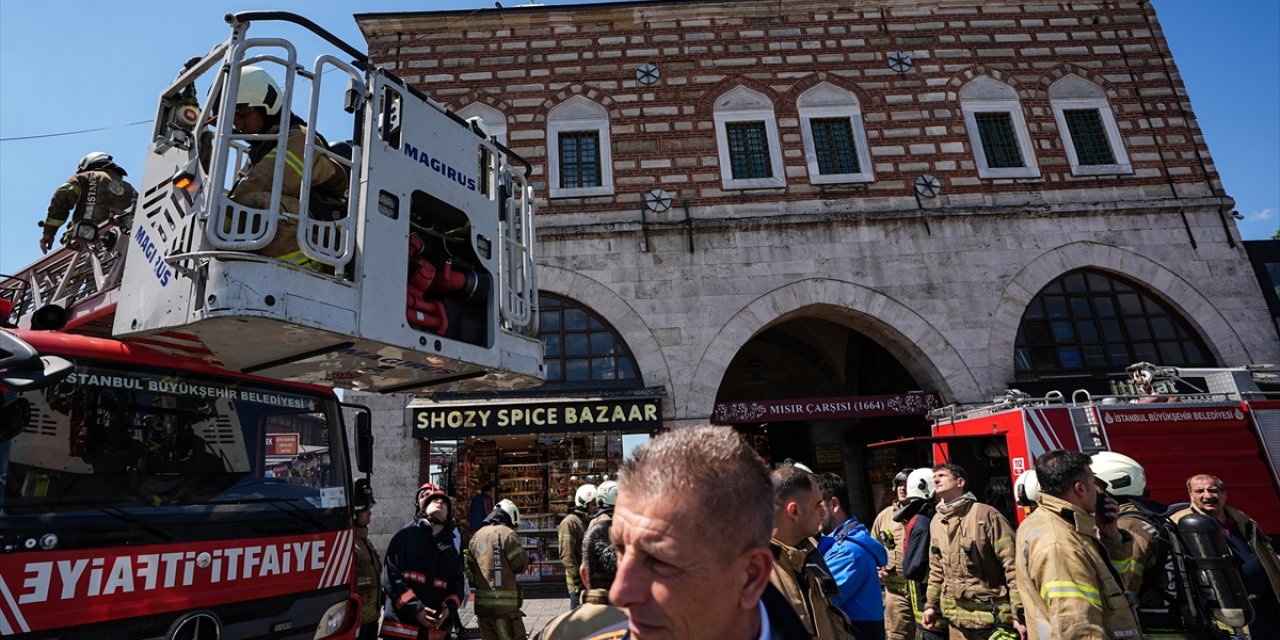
[
  {"x": 898, "y": 404},
  {"x": 282, "y": 444},
  {"x": 1201, "y": 417},
  {"x": 543, "y": 417}
]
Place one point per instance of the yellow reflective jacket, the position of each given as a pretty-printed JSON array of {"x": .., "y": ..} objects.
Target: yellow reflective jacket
[
  {"x": 493, "y": 596},
  {"x": 1069, "y": 587},
  {"x": 972, "y": 578}
]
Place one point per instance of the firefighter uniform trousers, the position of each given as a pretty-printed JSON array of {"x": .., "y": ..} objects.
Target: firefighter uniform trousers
[
  {"x": 497, "y": 556},
  {"x": 899, "y": 624}
]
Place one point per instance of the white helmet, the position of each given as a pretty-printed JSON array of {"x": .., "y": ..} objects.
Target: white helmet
[
  {"x": 1124, "y": 475},
  {"x": 585, "y": 495},
  {"x": 607, "y": 493},
  {"x": 1026, "y": 489},
  {"x": 508, "y": 507},
  {"x": 258, "y": 89},
  {"x": 94, "y": 160},
  {"x": 920, "y": 483}
]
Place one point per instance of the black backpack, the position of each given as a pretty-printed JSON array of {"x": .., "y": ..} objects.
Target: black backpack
[{"x": 1182, "y": 607}]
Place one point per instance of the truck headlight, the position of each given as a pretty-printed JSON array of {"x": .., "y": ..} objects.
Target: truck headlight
[{"x": 333, "y": 620}]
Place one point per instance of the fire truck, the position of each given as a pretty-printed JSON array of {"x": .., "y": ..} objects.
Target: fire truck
[
  {"x": 174, "y": 459},
  {"x": 1226, "y": 425}
]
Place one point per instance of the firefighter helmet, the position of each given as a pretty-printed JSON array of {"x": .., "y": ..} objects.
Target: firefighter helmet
[
  {"x": 513, "y": 512},
  {"x": 258, "y": 89},
  {"x": 920, "y": 483},
  {"x": 607, "y": 494},
  {"x": 94, "y": 160},
  {"x": 431, "y": 492},
  {"x": 586, "y": 495},
  {"x": 902, "y": 476},
  {"x": 1026, "y": 489},
  {"x": 1124, "y": 475},
  {"x": 362, "y": 496}
]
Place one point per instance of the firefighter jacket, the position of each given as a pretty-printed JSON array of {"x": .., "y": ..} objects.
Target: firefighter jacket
[
  {"x": 421, "y": 571},
  {"x": 853, "y": 558},
  {"x": 90, "y": 196},
  {"x": 253, "y": 189},
  {"x": 368, "y": 575},
  {"x": 891, "y": 534},
  {"x": 972, "y": 578},
  {"x": 804, "y": 579},
  {"x": 572, "y": 529},
  {"x": 1143, "y": 572},
  {"x": 594, "y": 615},
  {"x": 1069, "y": 587},
  {"x": 497, "y": 555},
  {"x": 1260, "y": 544}
]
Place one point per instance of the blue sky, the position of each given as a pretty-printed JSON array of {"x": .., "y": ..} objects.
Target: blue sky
[{"x": 69, "y": 65}]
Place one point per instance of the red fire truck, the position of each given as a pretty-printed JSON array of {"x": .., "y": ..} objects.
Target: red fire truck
[
  {"x": 153, "y": 486},
  {"x": 1229, "y": 428}
]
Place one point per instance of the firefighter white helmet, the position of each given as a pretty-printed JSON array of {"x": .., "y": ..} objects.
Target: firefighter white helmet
[
  {"x": 508, "y": 507},
  {"x": 258, "y": 89},
  {"x": 1026, "y": 489},
  {"x": 586, "y": 495},
  {"x": 94, "y": 160},
  {"x": 607, "y": 493},
  {"x": 920, "y": 483},
  {"x": 1124, "y": 475}
]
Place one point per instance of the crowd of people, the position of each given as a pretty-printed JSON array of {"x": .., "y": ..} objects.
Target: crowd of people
[{"x": 699, "y": 538}]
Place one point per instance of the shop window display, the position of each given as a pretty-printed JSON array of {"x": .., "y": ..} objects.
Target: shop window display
[{"x": 538, "y": 473}]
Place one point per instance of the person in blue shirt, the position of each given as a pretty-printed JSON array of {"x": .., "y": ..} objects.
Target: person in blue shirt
[{"x": 853, "y": 557}]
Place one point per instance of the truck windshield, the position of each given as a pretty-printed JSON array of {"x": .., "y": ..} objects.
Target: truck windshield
[{"x": 150, "y": 438}]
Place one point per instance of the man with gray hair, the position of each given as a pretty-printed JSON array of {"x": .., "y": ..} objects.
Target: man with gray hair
[{"x": 691, "y": 528}]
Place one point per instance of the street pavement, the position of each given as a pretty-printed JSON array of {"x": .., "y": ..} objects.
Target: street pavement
[{"x": 541, "y": 604}]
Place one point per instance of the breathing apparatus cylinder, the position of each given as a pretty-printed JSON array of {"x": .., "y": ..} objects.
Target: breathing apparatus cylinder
[{"x": 1219, "y": 579}]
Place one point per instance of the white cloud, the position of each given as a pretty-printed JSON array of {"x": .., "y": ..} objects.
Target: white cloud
[{"x": 1258, "y": 216}]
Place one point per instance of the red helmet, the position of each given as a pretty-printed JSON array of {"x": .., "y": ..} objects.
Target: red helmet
[{"x": 432, "y": 491}]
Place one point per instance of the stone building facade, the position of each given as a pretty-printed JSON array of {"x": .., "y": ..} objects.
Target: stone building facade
[{"x": 771, "y": 201}]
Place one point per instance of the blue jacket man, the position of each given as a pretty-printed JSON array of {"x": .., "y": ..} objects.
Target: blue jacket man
[{"x": 853, "y": 557}]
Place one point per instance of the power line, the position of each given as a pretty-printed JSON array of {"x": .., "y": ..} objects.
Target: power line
[{"x": 72, "y": 133}]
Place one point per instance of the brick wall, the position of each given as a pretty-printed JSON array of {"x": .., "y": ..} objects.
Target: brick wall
[{"x": 524, "y": 61}]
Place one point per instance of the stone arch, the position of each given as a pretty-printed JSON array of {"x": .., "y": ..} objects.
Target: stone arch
[
  {"x": 479, "y": 97},
  {"x": 789, "y": 100},
  {"x": 576, "y": 90},
  {"x": 1171, "y": 288},
  {"x": 921, "y": 348},
  {"x": 706, "y": 104},
  {"x": 1048, "y": 78},
  {"x": 650, "y": 359},
  {"x": 969, "y": 74}
]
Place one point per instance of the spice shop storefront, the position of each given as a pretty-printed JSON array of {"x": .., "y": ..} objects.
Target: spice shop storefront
[{"x": 535, "y": 452}]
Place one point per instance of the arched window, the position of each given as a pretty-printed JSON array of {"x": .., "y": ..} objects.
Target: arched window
[
  {"x": 997, "y": 130},
  {"x": 1088, "y": 128},
  {"x": 581, "y": 347},
  {"x": 835, "y": 142},
  {"x": 747, "y": 140},
  {"x": 579, "y": 156},
  {"x": 494, "y": 119},
  {"x": 1090, "y": 322}
]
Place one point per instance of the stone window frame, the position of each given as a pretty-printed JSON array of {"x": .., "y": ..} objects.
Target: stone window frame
[
  {"x": 988, "y": 95},
  {"x": 741, "y": 104},
  {"x": 494, "y": 119},
  {"x": 1075, "y": 93},
  {"x": 572, "y": 115},
  {"x": 823, "y": 101}
]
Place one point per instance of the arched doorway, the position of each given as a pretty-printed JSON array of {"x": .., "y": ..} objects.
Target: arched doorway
[{"x": 820, "y": 364}]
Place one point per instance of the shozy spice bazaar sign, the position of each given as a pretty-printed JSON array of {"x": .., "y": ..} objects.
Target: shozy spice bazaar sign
[{"x": 541, "y": 417}]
